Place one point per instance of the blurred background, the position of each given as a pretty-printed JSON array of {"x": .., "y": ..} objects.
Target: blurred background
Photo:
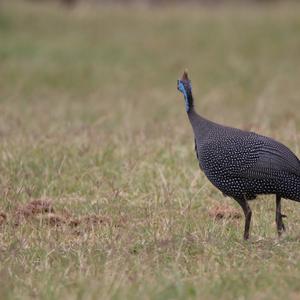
[
  {"x": 160, "y": 2},
  {"x": 92, "y": 120}
]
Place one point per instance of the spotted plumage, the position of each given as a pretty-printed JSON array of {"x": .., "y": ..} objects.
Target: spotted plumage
[{"x": 243, "y": 164}]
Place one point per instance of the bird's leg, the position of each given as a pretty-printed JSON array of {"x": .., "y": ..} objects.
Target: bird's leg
[
  {"x": 248, "y": 213},
  {"x": 279, "y": 216}
]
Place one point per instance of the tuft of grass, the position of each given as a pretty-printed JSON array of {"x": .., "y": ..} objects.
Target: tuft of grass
[{"x": 92, "y": 121}]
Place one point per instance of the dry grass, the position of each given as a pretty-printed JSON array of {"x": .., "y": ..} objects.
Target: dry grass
[{"x": 97, "y": 166}]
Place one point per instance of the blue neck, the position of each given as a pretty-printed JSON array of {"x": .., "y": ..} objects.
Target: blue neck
[
  {"x": 186, "y": 89},
  {"x": 188, "y": 100}
]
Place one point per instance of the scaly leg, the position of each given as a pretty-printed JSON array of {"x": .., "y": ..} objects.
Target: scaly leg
[
  {"x": 279, "y": 216},
  {"x": 248, "y": 213}
]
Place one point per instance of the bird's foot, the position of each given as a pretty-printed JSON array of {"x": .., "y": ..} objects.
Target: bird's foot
[
  {"x": 280, "y": 224},
  {"x": 280, "y": 228},
  {"x": 246, "y": 236}
]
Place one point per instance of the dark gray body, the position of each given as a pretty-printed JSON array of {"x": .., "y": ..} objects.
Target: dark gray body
[{"x": 244, "y": 164}]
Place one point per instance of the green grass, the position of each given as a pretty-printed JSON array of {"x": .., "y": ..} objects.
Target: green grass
[{"x": 91, "y": 118}]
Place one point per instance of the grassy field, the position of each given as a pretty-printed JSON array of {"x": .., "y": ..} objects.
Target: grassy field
[{"x": 101, "y": 194}]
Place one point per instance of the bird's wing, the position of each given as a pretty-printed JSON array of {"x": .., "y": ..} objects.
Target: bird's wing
[
  {"x": 271, "y": 157},
  {"x": 249, "y": 155}
]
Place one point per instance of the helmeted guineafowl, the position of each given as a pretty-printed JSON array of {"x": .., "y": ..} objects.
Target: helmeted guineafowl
[{"x": 242, "y": 164}]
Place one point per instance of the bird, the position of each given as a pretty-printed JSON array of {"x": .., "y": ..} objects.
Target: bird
[{"x": 242, "y": 164}]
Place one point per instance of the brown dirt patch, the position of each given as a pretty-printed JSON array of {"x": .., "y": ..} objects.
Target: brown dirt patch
[
  {"x": 3, "y": 218},
  {"x": 90, "y": 220},
  {"x": 219, "y": 212},
  {"x": 33, "y": 208},
  {"x": 51, "y": 219},
  {"x": 42, "y": 211}
]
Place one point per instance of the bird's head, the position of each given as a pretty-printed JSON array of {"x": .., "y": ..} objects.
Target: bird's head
[{"x": 185, "y": 87}]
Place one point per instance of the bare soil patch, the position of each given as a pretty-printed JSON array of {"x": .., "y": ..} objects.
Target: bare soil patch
[
  {"x": 219, "y": 212},
  {"x": 42, "y": 211}
]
